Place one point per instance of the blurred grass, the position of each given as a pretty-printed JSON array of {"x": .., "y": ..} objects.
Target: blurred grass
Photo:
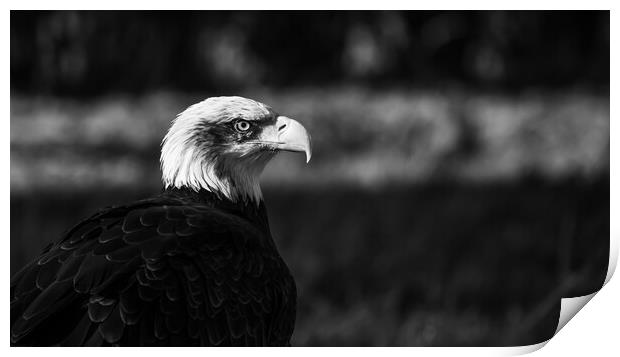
[
  {"x": 425, "y": 218},
  {"x": 430, "y": 264}
]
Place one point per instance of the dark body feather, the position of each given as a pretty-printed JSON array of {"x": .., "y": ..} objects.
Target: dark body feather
[{"x": 181, "y": 269}]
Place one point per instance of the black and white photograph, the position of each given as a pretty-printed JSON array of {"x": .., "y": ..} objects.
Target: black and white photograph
[{"x": 315, "y": 178}]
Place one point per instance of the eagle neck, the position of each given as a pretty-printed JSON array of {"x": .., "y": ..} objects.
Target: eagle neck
[{"x": 256, "y": 213}]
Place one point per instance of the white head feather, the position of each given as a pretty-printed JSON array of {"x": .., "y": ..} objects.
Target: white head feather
[{"x": 188, "y": 161}]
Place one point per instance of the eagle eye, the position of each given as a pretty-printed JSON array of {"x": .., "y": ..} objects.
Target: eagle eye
[{"x": 242, "y": 125}]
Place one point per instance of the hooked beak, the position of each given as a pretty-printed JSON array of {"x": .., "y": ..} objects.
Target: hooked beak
[{"x": 292, "y": 136}]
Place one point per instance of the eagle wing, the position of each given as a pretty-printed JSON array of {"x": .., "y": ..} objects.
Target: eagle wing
[{"x": 154, "y": 274}]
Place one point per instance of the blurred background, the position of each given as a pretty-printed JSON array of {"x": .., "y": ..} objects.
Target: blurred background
[{"x": 459, "y": 185}]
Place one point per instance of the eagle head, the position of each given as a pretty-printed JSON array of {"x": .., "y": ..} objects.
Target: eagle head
[{"x": 222, "y": 145}]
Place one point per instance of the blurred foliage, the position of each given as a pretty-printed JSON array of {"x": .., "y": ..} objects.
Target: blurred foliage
[
  {"x": 87, "y": 52},
  {"x": 360, "y": 136}
]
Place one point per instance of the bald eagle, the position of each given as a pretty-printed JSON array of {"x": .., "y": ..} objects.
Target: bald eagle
[{"x": 194, "y": 266}]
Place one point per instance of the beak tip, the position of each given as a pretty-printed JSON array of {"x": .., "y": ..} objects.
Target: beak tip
[{"x": 308, "y": 150}]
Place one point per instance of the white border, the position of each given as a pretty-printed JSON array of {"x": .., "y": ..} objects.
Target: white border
[{"x": 595, "y": 328}]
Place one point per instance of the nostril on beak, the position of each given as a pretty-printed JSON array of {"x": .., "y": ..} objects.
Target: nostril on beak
[{"x": 282, "y": 124}]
